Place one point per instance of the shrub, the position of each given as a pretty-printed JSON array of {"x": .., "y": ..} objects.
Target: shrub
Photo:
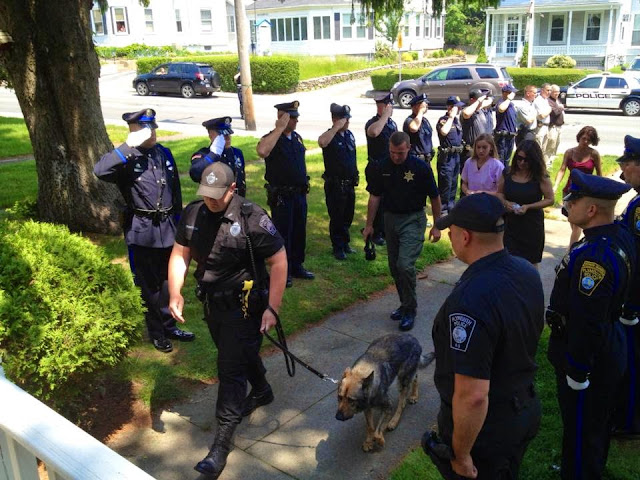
[
  {"x": 454, "y": 52},
  {"x": 385, "y": 79},
  {"x": 270, "y": 74},
  {"x": 65, "y": 310},
  {"x": 482, "y": 56},
  {"x": 136, "y": 50},
  {"x": 407, "y": 57},
  {"x": 525, "y": 55},
  {"x": 438, "y": 54},
  {"x": 537, "y": 76},
  {"x": 414, "y": 55},
  {"x": 383, "y": 51},
  {"x": 560, "y": 61}
]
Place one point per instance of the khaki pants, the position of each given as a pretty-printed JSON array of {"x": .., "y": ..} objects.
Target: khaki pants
[
  {"x": 542, "y": 138},
  {"x": 553, "y": 140}
]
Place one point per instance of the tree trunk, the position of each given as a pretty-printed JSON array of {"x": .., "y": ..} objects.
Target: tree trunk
[{"x": 54, "y": 70}]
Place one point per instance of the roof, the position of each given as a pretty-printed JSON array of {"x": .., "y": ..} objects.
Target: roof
[
  {"x": 541, "y": 4},
  {"x": 279, "y": 4}
]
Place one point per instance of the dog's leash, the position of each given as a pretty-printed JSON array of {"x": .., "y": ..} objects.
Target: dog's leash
[{"x": 290, "y": 358}]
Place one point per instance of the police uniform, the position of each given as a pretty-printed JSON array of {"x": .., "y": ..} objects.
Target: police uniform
[
  {"x": 287, "y": 188},
  {"x": 405, "y": 188},
  {"x": 230, "y": 156},
  {"x": 505, "y": 132},
  {"x": 587, "y": 344},
  {"x": 149, "y": 182},
  {"x": 627, "y": 418},
  {"x": 340, "y": 180},
  {"x": 472, "y": 127},
  {"x": 492, "y": 337},
  {"x": 449, "y": 152},
  {"x": 421, "y": 143},
  {"x": 377, "y": 151},
  {"x": 237, "y": 78}
]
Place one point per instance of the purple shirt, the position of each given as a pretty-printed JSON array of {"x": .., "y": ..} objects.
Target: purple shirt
[{"x": 486, "y": 178}]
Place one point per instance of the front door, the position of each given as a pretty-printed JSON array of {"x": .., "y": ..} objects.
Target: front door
[{"x": 511, "y": 39}]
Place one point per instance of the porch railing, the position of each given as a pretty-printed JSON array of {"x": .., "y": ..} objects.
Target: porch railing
[
  {"x": 491, "y": 54},
  {"x": 574, "y": 50},
  {"x": 29, "y": 430}
]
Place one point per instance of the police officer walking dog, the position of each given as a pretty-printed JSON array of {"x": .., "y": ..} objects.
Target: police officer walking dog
[
  {"x": 220, "y": 150},
  {"x": 406, "y": 182},
  {"x": 340, "y": 178},
  {"x": 288, "y": 184},
  {"x": 485, "y": 348},
  {"x": 587, "y": 344},
  {"x": 230, "y": 239},
  {"x": 146, "y": 175},
  {"x": 448, "y": 164}
]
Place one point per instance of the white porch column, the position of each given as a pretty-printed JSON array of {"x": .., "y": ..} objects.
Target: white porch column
[
  {"x": 486, "y": 33},
  {"x": 569, "y": 31}
]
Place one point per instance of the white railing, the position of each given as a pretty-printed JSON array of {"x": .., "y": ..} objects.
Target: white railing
[
  {"x": 518, "y": 55},
  {"x": 574, "y": 50},
  {"x": 491, "y": 54},
  {"x": 29, "y": 430}
]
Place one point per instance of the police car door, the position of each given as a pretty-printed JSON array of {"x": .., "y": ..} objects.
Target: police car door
[
  {"x": 615, "y": 89},
  {"x": 584, "y": 94}
]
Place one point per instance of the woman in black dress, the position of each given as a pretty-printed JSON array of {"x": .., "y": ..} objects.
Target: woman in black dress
[{"x": 525, "y": 188}]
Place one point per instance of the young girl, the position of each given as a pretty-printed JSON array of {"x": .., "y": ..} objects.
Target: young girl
[{"x": 482, "y": 171}]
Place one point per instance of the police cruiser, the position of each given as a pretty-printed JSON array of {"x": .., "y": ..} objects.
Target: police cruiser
[{"x": 604, "y": 90}]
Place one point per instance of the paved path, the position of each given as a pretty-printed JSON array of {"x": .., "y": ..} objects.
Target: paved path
[{"x": 297, "y": 436}]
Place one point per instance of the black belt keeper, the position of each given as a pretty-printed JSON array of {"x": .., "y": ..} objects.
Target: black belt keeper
[
  {"x": 343, "y": 182},
  {"x": 286, "y": 190},
  {"x": 160, "y": 214},
  {"x": 504, "y": 133},
  {"x": 425, "y": 156},
  {"x": 454, "y": 149}
]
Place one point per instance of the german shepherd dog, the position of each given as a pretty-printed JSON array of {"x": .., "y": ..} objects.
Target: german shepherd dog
[{"x": 365, "y": 385}]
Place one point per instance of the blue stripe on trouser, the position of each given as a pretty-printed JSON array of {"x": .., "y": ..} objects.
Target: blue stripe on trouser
[
  {"x": 579, "y": 427},
  {"x": 631, "y": 355},
  {"x": 131, "y": 262}
]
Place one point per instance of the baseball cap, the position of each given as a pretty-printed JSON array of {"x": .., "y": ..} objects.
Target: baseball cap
[
  {"x": 215, "y": 180},
  {"x": 479, "y": 212}
]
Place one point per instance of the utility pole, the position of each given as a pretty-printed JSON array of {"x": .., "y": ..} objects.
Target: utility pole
[{"x": 245, "y": 67}]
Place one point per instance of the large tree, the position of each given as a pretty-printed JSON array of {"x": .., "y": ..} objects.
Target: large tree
[
  {"x": 464, "y": 23},
  {"x": 387, "y": 22}
]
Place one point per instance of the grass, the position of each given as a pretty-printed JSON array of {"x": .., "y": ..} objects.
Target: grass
[
  {"x": 545, "y": 450},
  {"x": 313, "y": 67}
]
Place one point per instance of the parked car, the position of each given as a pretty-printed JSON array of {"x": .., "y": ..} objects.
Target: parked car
[
  {"x": 186, "y": 78},
  {"x": 634, "y": 67},
  {"x": 604, "y": 90},
  {"x": 457, "y": 79}
]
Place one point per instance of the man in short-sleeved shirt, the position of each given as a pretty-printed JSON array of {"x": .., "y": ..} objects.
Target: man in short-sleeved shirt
[{"x": 485, "y": 347}]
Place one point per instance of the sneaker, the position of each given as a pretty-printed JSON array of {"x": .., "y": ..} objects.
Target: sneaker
[
  {"x": 255, "y": 400},
  {"x": 162, "y": 344}
]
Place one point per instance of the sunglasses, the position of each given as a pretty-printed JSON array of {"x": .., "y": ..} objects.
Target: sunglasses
[{"x": 520, "y": 158}]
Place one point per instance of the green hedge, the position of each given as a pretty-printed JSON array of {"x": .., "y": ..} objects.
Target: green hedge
[
  {"x": 65, "y": 310},
  {"x": 270, "y": 74},
  {"x": 537, "y": 76},
  {"x": 385, "y": 79}
]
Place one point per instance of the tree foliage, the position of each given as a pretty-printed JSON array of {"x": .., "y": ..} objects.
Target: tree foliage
[
  {"x": 387, "y": 22},
  {"x": 437, "y": 5},
  {"x": 464, "y": 23}
]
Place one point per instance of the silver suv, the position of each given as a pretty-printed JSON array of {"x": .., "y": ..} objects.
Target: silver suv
[{"x": 457, "y": 79}]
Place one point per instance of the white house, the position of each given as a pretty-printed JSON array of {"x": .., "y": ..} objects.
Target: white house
[
  {"x": 596, "y": 33},
  {"x": 333, "y": 27}
]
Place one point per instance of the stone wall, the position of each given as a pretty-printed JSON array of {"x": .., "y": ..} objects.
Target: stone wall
[{"x": 314, "y": 83}]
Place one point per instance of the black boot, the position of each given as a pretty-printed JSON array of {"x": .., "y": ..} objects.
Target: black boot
[
  {"x": 215, "y": 461},
  {"x": 257, "y": 399}
]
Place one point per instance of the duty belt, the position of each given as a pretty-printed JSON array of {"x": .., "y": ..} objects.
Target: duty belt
[
  {"x": 522, "y": 128},
  {"x": 343, "y": 182},
  {"x": 287, "y": 189},
  {"x": 425, "y": 156},
  {"x": 453, "y": 149},
  {"x": 159, "y": 214},
  {"x": 504, "y": 133}
]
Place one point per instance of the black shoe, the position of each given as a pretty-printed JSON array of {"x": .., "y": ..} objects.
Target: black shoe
[
  {"x": 379, "y": 240},
  {"x": 407, "y": 321},
  {"x": 215, "y": 461},
  {"x": 303, "y": 273},
  {"x": 181, "y": 335},
  {"x": 162, "y": 344},
  {"x": 397, "y": 314},
  {"x": 289, "y": 282},
  {"x": 255, "y": 400},
  {"x": 339, "y": 254},
  {"x": 348, "y": 250}
]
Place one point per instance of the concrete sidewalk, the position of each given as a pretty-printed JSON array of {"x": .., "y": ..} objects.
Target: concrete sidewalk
[{"x": 297, "y": 436}]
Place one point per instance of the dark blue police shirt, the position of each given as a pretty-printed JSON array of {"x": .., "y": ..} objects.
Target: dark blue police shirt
[
  {"x": 378, "y": 147},
  {"x": 405, "y": 187},
  {"x": 454, "y": 137},
  {"x": 233, "y": 157},
  {"x": 488, "y": 115},
  {"x": 340, "y": 157},
  {"x": 473, "y": 126},
  {"x": 631, "y": 218},
  {"x": 148, "y": 179},
  {"x": 421, "y": 142},
  {"x": 506, "y": 121},
  {"x": 285, "y": 165}
]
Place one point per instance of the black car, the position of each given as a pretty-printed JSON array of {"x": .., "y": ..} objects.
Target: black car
[{"x": 186, "y": 78}]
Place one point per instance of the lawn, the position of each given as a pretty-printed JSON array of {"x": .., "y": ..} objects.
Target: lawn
[{"x": 313, "y": 67}]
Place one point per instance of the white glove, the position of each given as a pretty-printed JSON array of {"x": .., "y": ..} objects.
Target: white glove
[
  {"x": 135, "y": 139},
  {"x": 574, "y": 385},
  {"x": 217, "y": 145}
]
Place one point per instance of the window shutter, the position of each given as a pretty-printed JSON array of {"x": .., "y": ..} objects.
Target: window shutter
[{"x": 336, "y": 25}]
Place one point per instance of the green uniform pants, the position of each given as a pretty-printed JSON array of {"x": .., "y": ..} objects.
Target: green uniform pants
[{"x": 404, "y": 233}]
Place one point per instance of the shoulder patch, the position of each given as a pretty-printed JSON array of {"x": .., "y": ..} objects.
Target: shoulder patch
[
  {"x": 636, "y": 221},
  {"x": 591, "y": 274},
  {"x": 461, "y": 328},
  {"x": 267, "y": 224}
]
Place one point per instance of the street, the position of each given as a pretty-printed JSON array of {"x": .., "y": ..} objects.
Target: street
[{"x": 186, "y": 115}]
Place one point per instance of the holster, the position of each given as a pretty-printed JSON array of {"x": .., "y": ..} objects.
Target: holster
[
  {"x": 557, "y": 323},
  {"x": 258, "y": 301},
  {"x": 440, "y": 454}
]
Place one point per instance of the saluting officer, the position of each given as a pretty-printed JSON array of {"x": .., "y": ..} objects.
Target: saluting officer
[
  {"x": 505, "y": 132},
  {"x": 450, "y": 135},
  {"x": 419, "y": 129},
  {"x": 587, "y": 344},
  {"x": 379, "y": 129},
  {"x": 406, "y": 182},
  {"x": 627, "y": 419},
  {"x": 474, "y": 122},
  {"x": 485, "y": 347},
  {"x": 146, "y": 175},
  {"x": 340, "y": 178},
  {"x": 230, "y": 239},
  {"x": 288, "y": 184},
  {"x": 220, "y": 150}
]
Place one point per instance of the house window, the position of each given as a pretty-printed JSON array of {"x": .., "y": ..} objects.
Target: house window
[
  {"x": 438, "y": 27},
  {"x": 289, "y": 29},
  {"x": 206, "y": 24},
  {"x": 98, "y": 22},
  {"x": 556, "y": 28},
  {"x": 120, "y": 22},
  {"x": 635, "y": 35},
  {"x": 361, "y": 27},
  {"x": 322, "y": 28},
  {"x": 592, "y": 27},
  {"x": 178, "y": 21},
  {"x": 148, "y": 20},
  {"x": 346, "y": 25},
  {"x": 427, "y": 26},
  {"x": 349, "y": 23},
  {"x": 231, "y": 23},
  {"x": 406, "y": 25},
  {"x": 418, "y": 23}
]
